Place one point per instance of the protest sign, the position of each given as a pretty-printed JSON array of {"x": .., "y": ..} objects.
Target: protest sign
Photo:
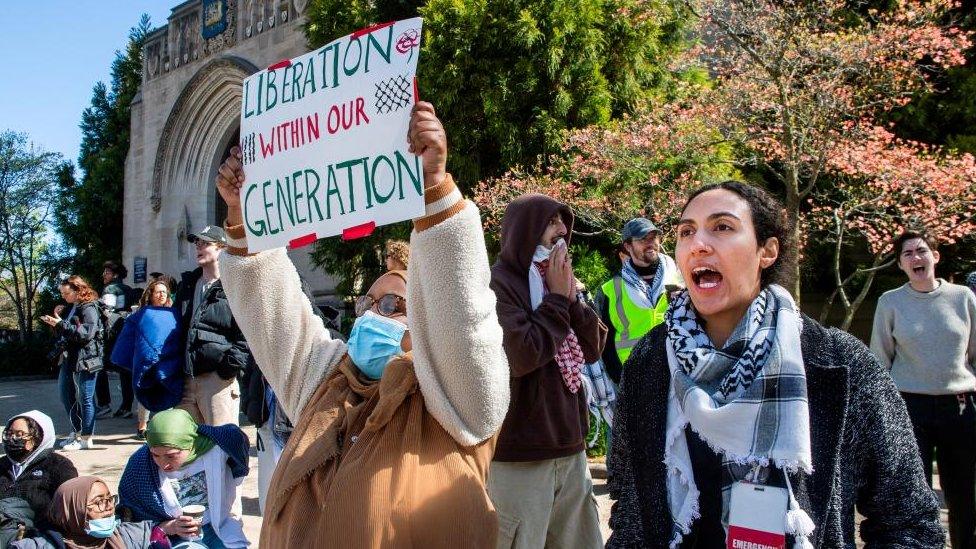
[{"x": 324, "y": 140}]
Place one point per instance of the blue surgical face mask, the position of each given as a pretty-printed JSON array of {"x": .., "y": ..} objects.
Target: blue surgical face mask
[
  {"x": 102, "y": 528},
  {"x": 373, "y": 342}
]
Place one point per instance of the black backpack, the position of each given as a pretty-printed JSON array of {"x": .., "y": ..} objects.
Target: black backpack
[{"x": 112, "y": 322}]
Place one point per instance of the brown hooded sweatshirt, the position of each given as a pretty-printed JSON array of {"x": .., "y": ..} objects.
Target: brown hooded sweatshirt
[{"x": 545, "y": 420}]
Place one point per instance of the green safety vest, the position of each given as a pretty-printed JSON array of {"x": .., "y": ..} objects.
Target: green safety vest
[{"x": 630, "y": 320}]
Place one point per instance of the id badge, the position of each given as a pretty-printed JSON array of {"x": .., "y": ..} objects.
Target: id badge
[{"x": 757, "y": 517}]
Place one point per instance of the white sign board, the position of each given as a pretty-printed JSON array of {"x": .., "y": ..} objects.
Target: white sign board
[{"x": 324, "y": 140}]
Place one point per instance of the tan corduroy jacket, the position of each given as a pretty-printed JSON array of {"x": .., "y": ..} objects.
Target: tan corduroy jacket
[{"x": 381, "y": 469}]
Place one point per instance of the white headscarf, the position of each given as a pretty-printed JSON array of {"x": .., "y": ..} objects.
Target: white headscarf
[{"x": 47, "y": 438}]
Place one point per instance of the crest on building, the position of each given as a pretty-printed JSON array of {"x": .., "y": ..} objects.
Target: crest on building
[{"x": 214, "y": 18}]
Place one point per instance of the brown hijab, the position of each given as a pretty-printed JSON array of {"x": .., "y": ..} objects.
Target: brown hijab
[{"x": 69, "y": 515}]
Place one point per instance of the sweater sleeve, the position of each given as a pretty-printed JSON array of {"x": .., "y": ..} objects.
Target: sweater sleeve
[
  {"x": 625, "y": 519},
  {"x": 882, "y": 342},
  {"x": 457, "y": 342},
  {"x": 289, "y": 343},
  {"x": 900, "y": 509},
  {"x": 530, "y": 338}
]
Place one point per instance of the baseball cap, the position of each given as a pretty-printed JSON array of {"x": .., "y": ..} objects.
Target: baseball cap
[
  {"x": 210, "y": 233},
  {"x": 638, "y": 228}
]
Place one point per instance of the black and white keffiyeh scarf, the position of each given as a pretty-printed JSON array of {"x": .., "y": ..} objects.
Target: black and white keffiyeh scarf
[
  {"x": 653, "y": 290},
  {"x": 747, "y": 401}
]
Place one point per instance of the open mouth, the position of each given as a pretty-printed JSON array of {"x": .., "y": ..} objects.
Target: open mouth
[
  {"x": 556, "y": 240},
  {"x": 920, "y": 269},
  {"x": 706, "y": 278}
]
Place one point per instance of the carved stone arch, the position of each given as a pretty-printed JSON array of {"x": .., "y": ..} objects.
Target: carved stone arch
[{"x": 207, "y": 109}]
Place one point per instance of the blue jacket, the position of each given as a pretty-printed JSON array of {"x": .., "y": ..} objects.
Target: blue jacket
[
  {"x": 139, "y": 486},
  {"x": 150, "y": 347}
]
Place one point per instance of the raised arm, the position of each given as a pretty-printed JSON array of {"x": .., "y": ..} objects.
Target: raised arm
[
  {"x": 457, "y": 342},
  {"x": 289, "y": 343}
]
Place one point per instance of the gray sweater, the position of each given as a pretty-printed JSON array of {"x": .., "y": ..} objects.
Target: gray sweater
[{"x": 928, "y": 340}]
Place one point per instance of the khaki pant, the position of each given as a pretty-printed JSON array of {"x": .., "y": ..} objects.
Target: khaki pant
[
  {"x": 546, "y": 503},
  {"x": 212, "y": 400}
]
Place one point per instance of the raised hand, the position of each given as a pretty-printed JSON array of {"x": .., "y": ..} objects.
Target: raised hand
[
  {"x": 230, "y": 178},
  {"x": 426, "y": 138},
  {"x": 559, "y": 276}
]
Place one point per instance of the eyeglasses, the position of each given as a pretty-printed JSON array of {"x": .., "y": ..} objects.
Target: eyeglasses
[
  {"x": 16, "y": 435},
  {"x": 104, "y": 504},
  {"x": 386, "y": 305}
]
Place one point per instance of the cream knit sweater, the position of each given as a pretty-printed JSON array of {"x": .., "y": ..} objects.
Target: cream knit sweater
[{"x": 457, "y": 342}]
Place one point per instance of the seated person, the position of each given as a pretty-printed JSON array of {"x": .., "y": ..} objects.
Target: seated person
[
  {"x": 82, "y": 515},
  {"x": 394, "y": 431},
  {"x": 31, "y": 469},
  {"x": 184, "y": 464}
]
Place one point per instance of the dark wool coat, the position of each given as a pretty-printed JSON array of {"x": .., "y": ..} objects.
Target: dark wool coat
[{"x": 864, "y": 451}]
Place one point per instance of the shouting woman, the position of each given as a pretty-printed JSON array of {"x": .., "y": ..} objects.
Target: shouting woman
[{"x": 740, "y": 415}]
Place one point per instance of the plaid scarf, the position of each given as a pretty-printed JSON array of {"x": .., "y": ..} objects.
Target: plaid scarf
[
  {"x": 569, "y": 355},
  {"x": 652, "y": 290},
  {"x": 747, "y": 401}
]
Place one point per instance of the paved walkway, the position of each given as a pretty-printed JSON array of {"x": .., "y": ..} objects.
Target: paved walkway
[{"x": 116, "y": 442}]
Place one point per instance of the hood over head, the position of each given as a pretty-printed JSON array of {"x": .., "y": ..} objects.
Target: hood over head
[
  {"x": 526, "y": 219},
  {"x": 46, "y": 425}
]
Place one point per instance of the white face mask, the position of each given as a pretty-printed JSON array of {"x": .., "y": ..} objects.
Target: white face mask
[{"x": 541, "y": 253}]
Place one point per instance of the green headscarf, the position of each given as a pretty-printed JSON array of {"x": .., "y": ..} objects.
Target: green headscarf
[{"x": 175, "y": 428}]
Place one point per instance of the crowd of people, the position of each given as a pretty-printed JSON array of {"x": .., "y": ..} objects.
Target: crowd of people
[{"x": 456, "y": 413}]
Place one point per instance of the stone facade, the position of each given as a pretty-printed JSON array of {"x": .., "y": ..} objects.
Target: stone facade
[{"x": 187, "y": 115}]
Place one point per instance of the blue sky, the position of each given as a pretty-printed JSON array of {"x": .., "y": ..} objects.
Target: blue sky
[{"x": 52, "y": 54}]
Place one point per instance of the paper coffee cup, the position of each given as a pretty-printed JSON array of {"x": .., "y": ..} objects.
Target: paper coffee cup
[{"x": 194, "y": 511}]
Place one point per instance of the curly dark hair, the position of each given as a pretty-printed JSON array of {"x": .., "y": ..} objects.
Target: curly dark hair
[
  {"x": 167, "y": 280},
  {"x": 769, "y": 220},
  {"x": 33, "y": 429}
]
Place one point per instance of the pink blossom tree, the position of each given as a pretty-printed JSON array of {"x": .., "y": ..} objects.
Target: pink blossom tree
[
  {"x": 882, "y": 186},
  {"x": 800, "y": 80},
  {"x": 639, "y": 166}
]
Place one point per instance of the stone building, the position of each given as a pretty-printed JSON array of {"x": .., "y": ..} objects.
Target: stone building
[{"x": 185, "y": 119}]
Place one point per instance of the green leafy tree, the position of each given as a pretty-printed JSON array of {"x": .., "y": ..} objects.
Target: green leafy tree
[
  {"x": 28, "y": 186},
  {"x": 89, "y": 213},
  {"x": 510, "y": 77}
]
